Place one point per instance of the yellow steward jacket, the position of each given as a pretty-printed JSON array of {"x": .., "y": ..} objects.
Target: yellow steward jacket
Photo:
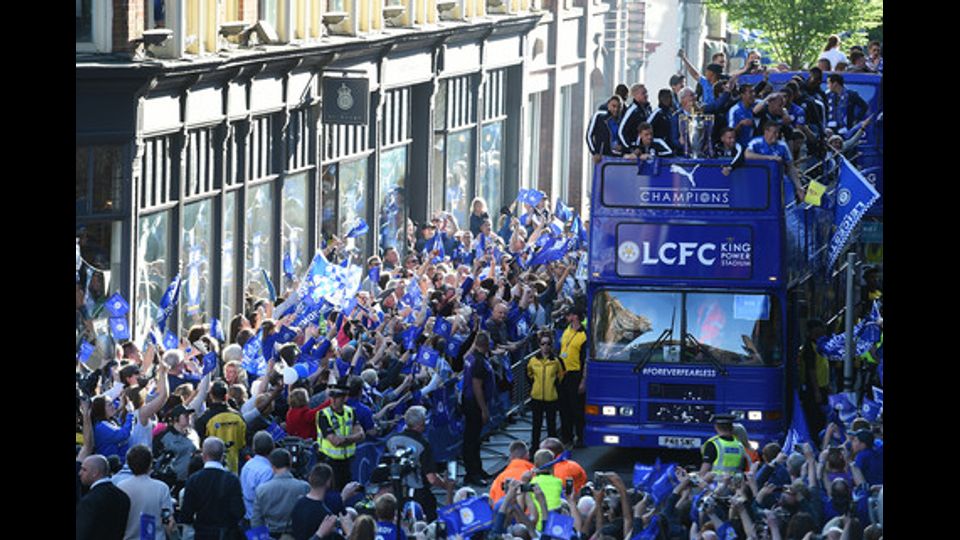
[{"x": 546, "y": 374}]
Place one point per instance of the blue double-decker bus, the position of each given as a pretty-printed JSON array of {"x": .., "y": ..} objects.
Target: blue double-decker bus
[{"x": 693, "y": 282}]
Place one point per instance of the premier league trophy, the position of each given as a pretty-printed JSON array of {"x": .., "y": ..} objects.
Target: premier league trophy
[{"x": 695, "y": 133}]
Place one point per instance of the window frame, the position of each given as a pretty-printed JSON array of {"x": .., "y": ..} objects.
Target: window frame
[{"x": 101, "y": 15}]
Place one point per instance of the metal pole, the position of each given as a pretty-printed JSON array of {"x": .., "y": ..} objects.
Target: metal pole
[{"x": 848, "y": 314}]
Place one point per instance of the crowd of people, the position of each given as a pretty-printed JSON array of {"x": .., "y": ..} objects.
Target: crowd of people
[
  {"x": 797, "y": 123},
  {"x": 256, "y": 426}
]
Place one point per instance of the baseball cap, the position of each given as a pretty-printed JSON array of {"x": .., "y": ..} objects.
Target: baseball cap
[{"x": 129, "y": 370}]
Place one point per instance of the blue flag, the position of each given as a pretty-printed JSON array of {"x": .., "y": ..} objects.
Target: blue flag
[
  {"x": 253, "y": 360},
  {"x": 645, "y": 475},
  {"x": 258, "y": 533},
  {"x": 878, "y": 395},
  {"x": 427, "y": 356},
  {"x": 216, "y": 330},
  {"x": 276, "y": 432},
  {"x": 117, "y": 306},
  {"x": 374, "y": 274},
  {"x": 443, "y": 327},
  {"x": 271, "y": 290},
  {"x": 410, "y": 336},
  {"x": 287, "y": 266},
  {"x": 871, "y": 409},
  {"x": 467, "y": 517},
  {"x": 562, "y": 211},
  {"x": 558, "y": 526},
  {"x": 170, "y": 340},
  {"x": 359, "y": 229},
  {"x": 286, "y": 335},
  {"x": 148, "y": 527},
  {"x": 169, "y": 301},
  {"x": 579, "y": 232},
  {"x": 453, "y": 346},
  {"x": 664, "y": 485},
  {"x": 86, "y": 349},
  {"x": 855, "y": 195},
  {"x": 209, "y": 362},
  {"x": 119, "y": 328},
  {"x": 467, "y": 285},
  {"x": 553, "y": 251},
  {"x": 556, "y": 227},
  {"x": 798, "y": 432},
  {"x": 530, "y": 196}
]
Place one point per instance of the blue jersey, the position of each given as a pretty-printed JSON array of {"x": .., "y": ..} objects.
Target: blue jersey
[
  {"x": 708, "y": 97},
  {"x": 797, "y": 114},
  {"x": 741, "y": 112},
  {"x": 759, "y": 146},
  {"x": 389, "y": 531},
  {"x": 519, "y": 323}
]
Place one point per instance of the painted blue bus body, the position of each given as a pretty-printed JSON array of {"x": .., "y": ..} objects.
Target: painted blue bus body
[{"x": 681, "y": 233}]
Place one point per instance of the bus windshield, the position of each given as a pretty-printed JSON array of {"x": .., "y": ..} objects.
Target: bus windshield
[{"x": 733, "y": 329}]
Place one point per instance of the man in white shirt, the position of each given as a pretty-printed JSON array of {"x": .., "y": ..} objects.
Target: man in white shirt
[{"x": 148, "y": 496}]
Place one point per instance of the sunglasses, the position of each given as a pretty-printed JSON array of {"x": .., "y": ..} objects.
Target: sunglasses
[{"x": 543, "y": 343}]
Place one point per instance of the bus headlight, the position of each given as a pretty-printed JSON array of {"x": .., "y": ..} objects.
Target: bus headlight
[
  {"x": 611, "y": 439},
  {"x": 754, "y": 445},
  {"x": 609, "y": 410},
  {"x": 626, "y": 411},
  {"x": 739, "y": 415},
  {"x": 754, "y": 416}
]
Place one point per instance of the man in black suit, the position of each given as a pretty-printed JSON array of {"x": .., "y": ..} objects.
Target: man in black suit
[
  {"x": 102, "y": 513},
  {"x": 213, "y": 499}
]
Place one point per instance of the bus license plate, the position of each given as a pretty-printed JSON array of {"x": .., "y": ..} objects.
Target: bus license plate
[{"x": 679, "y": 442}]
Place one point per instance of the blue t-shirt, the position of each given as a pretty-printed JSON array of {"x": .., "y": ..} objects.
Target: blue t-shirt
[
  {"x": 362, "y": 413},
  {"x": 738, "y": 113},
  {"x": 479, "y": 367},
  {"x": 779, "y": 148},
  {"x": 708, "y": 97},
  {"x": 870, "y": 462},
  {"x": 389, "y": 531}
]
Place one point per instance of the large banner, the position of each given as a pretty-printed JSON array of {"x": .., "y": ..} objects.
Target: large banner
[{"x": 854, "y": 195}]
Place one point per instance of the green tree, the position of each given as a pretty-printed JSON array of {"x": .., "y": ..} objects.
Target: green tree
[{"x": 796, "y": 30}]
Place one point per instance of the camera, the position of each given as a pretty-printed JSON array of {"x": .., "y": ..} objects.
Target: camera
[
  {"x": 526, "y": 488},
  {"x": 393, "y": 467},
  {"x": 568, "y": 486},
  {"x": 599, "y": 479}
]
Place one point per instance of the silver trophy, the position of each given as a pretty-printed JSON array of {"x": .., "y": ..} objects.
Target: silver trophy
[{"x": 695, "y": 134}]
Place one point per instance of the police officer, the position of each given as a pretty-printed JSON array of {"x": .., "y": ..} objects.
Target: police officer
[
  {"x": 723, "y": 453},
  {"x": 338, "y": 433},
  {"x": 425, "y": 474}
]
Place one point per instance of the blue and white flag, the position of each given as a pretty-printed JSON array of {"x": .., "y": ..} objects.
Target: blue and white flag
[
  {"x": 645, "y": 475},
  {"x": 86, "y": 349},
  {"x": 871, "y": 409},
  {"x": 453, "y": 346},
  {"x": 664, "y": 485},
  {"x": 878, "y": 395},
  {"x": 556, "y": 226},
  {"x": 467, "y": 285},
  {"x": 530, "y": 196},
  {"x": 579, "y": 232},
  {"x": 119, "y": 328},
  {"x": 209, "y": 362},
  {"x": 855, "y": 195},
  {"x": 562, "y": 211},
  {"x": 271, "y": 290},
  {"x": 359, "y": 229},
  {"x": 192, "y": 285},
  {"x": 216, "y": 330},
  {"x": 558, "y": 526},
  {"x": 554, "y": 250},
  {"x": 253, "y": 360},
  {"x": 169, "y": 301},
  {"x": 276, "y": 432},
  {"x": 467, "y": 517},
  {"x": 374, "y": 274},
  {"x": 286, "y": 335},
  {"x": 427, "y": 356},
  {"x": 258, "y": 533},
  {"x": 117, "y": 306},
  {"x": 798, "y": 432},
  {"x": 148, "y": 527},
  {"x": 409, "y": 337},
  {"x": 412, "y": 296},
  {"x": 287, "y": 266},
  {"x": 442, "y": 327},
  {"x": 170, "y": 340}
]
